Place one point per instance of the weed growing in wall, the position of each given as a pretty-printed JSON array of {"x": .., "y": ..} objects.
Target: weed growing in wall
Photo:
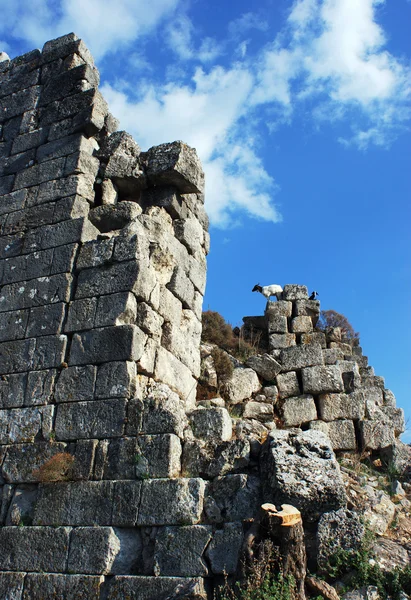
[{"x": 58, "y": 468}]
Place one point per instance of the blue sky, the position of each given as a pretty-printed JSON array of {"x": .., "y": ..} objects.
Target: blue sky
[{"x": 300, "y": 112}]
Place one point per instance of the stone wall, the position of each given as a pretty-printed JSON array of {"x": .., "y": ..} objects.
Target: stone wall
[{"x": 116, "y": 480}]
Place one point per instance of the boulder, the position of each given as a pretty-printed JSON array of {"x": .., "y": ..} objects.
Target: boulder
[
  {"x": 298, "y": 410},
  {"x": 243, "y": 383},
  {"x": 175, "y": 164},
  {"x": 341, "y": 529},
  {"x": 300, "y": 468},
  {"x": 265, "y": 365},
  {"x": 211, "y": 423}
]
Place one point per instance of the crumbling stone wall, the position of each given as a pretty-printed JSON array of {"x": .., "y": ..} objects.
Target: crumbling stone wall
[{"x": 115, "y": 482}]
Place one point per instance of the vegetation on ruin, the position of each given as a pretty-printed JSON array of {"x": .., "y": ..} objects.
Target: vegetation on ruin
[
  {"x": 217, "y": 331},
  {"x": 331, "y": 319},
  {"x": 58, "y": 468}
]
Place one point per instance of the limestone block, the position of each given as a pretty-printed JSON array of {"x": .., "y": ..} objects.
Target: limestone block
[
  {"x": 389, "y": 398},
  {"x": 116, "y": 309},
  {"x": 172, "y": 372},
  {"x": 21, "y": 505},
  {"x": 390, "y": 554},
  {"x": 309, "y": 308},
  {"x": 76, "y": 384},
  {"x": 342, "y": 435},
  {"x": 22, "y": 459},
  {"x": 21, "y": 102},
  {"x": 395, "y": 416},
  {"x": 211, "y": 423},
  {"x": 224, "y": 549},
  {"x": 122, "y": 157},
  {"x": 132, "y": 243},
  {"x": 13, "y": 325},
  {"x": 46, "y": 320},
  {"x": 79, "y": 503},
  {"x": 300, "y": 357},
  {"x": 399, "y": 454},
  {"x": 148, "y": 320},
  {"x": 78, "y": 79},
  {"x": 161, "y": 411},
  {"x": 265, "y": 365},
  {"x": 299, "y": 468},
  {"x": 318, "y": 379},
  {"x": 130, "y": 556},
  {"x": 171, "y": 502},
  {"x": 350, "y": 374},
  {"x": 295, "y": 292},
  {"x": 116, "y": 380},
  {"x": 298, "y": 410},
  {"x": 12, "y": 390},
  {"x": 50, "y": 352},
  {"x": 302, "y": 324},
  {"x": 277, "y": 341},
  {"x": 126, "y": 502},
  {"x": 110, "y": 218},
  {"x": 109, "y": 192},
  {"x": 16, "y": 356},
  {"x": 181, "y": 287},
  {"x": 63, "y": 46},
  {"x": 44, "y": 290},
  {"x": 93, "y": 550},
  {"x": 227, "y": 457},
  {"x": 146, "y": 364},
  {"x": 288, "y": 385},
  {"x": 11, "y": 585},
  {"x": 65, "y": 146},
  {"x": 232, "y": 498},
  {"x": 190, "y": 233},
  {"x": 38, "y": 586},
  {"x": 175, "y": 164},
  {"x": 96, "y": 419},
  {"x": 17, "y": 545},
  {"x": 84, "y": 454},
  {"x": 243, "y": 383},
  {"x": 66, "y": 232},
  {"x": 281, "y": 308},
  {"x": 81, "y": 315},
  {"x": 197, "y": 270},
  {"x": 316, "y": 337},
  {"x": 259, "y": 411},
  {"x": 28, "y": 266},
  {"x": 13, "y": 201},
  {"x": 122, "y": 342},
  {"x": 182, "y": 339},
  {"x": 156, "y": 588},
  {"x": 341, "y": 529},
  {"x": 179, "y": 550},
  {"x": 346, "y": 348},
  {"x": 21, "y": 425},
  {"x": 117, "y": 277},
  {"x": 374, "y": 397},
  {"x": 158, "y": 456},
  {"x": 341, "y": 406},
  {"x": 331, "y": 355},
  {"x": 95, "y": 253}
]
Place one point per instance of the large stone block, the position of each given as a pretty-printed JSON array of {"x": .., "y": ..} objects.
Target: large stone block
[
  {"x": 116, "y": 380},
  {"x": 76, "y": 384},
  {"x": 21, "y": 460},
  {"x": 277, "y": 324},
  {"x": 376, "y": 435},
  {"x": 36, "y": 292},
  {"x": 224, "y": 550},
  {"x": 175, "y": 164},
  {"x": 179, "y": 551},
  {"x": 161, "y": 411},
  {"x": 11, "y": 585},
  {"x": 232, "y": 498},
  {"x": 156, "y": 588},
  {"x": 341, "y": 406},
  {"x": 318, "y": 379},
  {"x": 46, "y": 320},
  {"x": 265, "y": 365},
  {"x": 338, "y": 530},
  {"x": 211, "y": 423},
  {"x": 95, "y": 253},
  {"x": 66, "y": 232},
  {"x": 85, "y": 420},
  {"x": 12, "y": 390},
  {"x": 123, "y": 342},
  {"x": 243, "y": 383},
  {"x": 299, "y": 357},
  {"x": 278, "y": 341},
  {"x": 302, "y": 324},
  {"x": 288, "y": 384},
  {"x": 17, "y": 545},
  {"x": 21, "y": 425},
  {"x": 227, "y": 458},
  {"x": 93, "y": 550},
  {"x": 13, "y": 325},
  {"x": 299, "y": 468},
  {"x": 171, "y": 502},
  {"x": 117, "y": 277},
  {"x": 182, "y": 339},
  {"x": 281, "y": 308},
  {"x": 295, "y": 292},
  {"x": 298, "y": 410},
  {"x": 39, "y": 586},
  {"x": 171, "y": 371}
]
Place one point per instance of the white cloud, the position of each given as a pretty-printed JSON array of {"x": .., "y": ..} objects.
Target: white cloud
[
  {"x": 245, "y": 23},
  {"x": 105, "y": 25},
  {"x": 180, "y": 41}
]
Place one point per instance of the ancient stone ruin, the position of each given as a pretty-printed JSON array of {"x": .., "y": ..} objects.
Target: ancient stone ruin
[{"x": 115, "y": 482}]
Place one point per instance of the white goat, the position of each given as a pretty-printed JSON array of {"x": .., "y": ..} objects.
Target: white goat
[{"x": 269, "y": 290}]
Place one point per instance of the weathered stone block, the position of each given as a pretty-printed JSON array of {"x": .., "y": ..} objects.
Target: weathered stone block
[
  {"x": 232, "y": 498},
  {"x": 341, "y": 406},
  {"x": 301, "y": 324},
  {"x": 60, "y": 234},
  {"x": 116, "y": 309},
  {"x": 243, "y": 383},
  {"x": 182, "y": 288},
  {"x": 93, "y": 550},
  {"x": 116, "y": 380},
  {"x": 123, "y": 342},
  {"x": 300, "y": 357},
  {"x": 44, "y": 290},
  {"x": 338, "y": 530},
  {"x": 96, "y": 419},
  {"x": 280, "y": 308},
  {"x": 318, "y": 379},
  {"x": 161, "y": 411},
  {"x": 21, "y": 425},
  {"x": 11, "y": 585},
  {"x": 21, "y": 460},
  {"x": 38, "y": 586},
  {"x": 190, "y": 233},
  {"x": 81, "y": 315},
  {"x": 298, "y": 410},
  {"x": 211, "y": 423},
  {"x": 288, "y": 384},
  {"x": 179, "y": 551},
  {"x": 175, "y": 164},
  {"x": 316, "y": 337},
  {"x": 13, "y": 325},
  {"x": 46, "y": 320},
  {"x": 331, "y": 355},
  {"x": 76, "y": 384},
  {"x": 172, "y": 372},
  {"x": 258, "y": 410},
  {"x": 12, "y": 390},
  {"x": 171, "y": 502},
  {"x": 40, "y": 387},
  {"x": 309, "y": 308},
  {"x": 265, "y": 365},
  {"x": 17, "y": 544},
  {"x": 299, "y": 468},
  {"x": 295, "y": 292},
  {"x": 278, "y": 341},
  {"x": 376, "y": 434},
  {"x": 95, "y": 253},
  {"x": 156, "y": 588},
  {"x": 224, "y": 549},
  {"x": 277, "y": 324},
  {"x": 117, "y": 277},
  {"x": 342, "y": 435},
  {"x": 228, "y": 457}
]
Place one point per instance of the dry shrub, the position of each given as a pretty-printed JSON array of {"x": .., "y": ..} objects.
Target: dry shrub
[
  {"x": 223, "y": 365},
  {"x": 217, "y": 331},
  {"x": 331, "y": 319},
  {"x": 57, "y": 468}
]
